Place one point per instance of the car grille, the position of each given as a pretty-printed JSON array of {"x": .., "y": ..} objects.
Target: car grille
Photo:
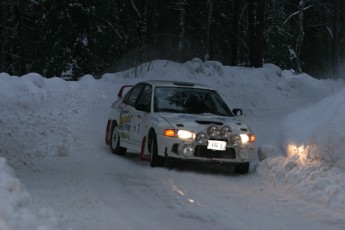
[{"x": 202, "y": 151}]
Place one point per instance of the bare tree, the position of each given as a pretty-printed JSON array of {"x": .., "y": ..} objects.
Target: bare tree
[
  {"x": 300, "y": 36},
  {"x": 301, "y": 8},
  {"x": 180, "y": 6},
  {"x": 335, "y": 40},
  {"x": 208, "y": 28},
  {"x": 256, "y": 10},
  {"x": 235, "y": 29},
  {"x": 5, "y": 29}
]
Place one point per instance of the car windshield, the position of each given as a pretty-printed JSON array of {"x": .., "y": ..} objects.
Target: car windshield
[{"x": 189, "y": 100}]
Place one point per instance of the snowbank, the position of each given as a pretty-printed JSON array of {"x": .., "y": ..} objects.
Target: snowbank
[
  {"x": 15, "y": 209},
  {"x": 314, "y": 152}
]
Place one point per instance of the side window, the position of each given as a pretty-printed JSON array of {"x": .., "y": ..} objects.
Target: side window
[
  {"x": 132, "y": 96},
  {"x": 144, "y": 101},
  {"x": 125, "y": 99}
]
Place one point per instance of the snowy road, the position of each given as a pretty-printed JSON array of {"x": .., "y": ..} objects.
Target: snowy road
[{"x": 98, "y": 190}]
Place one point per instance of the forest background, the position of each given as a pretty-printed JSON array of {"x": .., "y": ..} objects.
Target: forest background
[{"x": 77, "y": 37}]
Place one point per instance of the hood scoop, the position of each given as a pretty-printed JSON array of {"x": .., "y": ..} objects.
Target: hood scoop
[{"x": 208, "y": 122}]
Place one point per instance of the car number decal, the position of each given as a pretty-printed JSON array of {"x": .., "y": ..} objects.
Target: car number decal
[{"x": 137, "y": 124}]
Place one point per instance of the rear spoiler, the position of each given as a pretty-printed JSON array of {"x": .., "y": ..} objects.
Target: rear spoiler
[{"x": 121, "y": 93}]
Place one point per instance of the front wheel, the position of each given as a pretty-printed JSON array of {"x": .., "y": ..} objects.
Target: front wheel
[
  {"x": 155, "y": 159},
  {"x": 115, "y": 141},
  {"x": 242, "y": 168}
]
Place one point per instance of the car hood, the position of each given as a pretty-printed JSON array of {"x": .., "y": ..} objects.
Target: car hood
[{"x": 198, "y": 122}]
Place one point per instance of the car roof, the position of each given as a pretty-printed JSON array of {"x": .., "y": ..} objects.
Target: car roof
[{"x": 166, "y": 83}]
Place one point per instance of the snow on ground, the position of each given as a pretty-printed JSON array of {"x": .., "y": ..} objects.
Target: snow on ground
[{"x": 57, "y": 173}]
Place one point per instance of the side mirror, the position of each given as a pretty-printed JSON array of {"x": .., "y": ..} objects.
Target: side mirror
[{"x": 237, "y": 112}]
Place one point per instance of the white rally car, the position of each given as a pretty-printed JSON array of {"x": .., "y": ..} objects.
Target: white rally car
[{"x": 167, "y": 119}]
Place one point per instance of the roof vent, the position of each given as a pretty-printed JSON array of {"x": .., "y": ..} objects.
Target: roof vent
[
  {"x": 180, "y": 83},
  {"x": 209, "y": 122}
]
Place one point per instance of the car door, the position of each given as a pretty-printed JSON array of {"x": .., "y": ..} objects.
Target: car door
[
  {"x": 128, "y": 114},
  {"x": 141, "y": 109}
]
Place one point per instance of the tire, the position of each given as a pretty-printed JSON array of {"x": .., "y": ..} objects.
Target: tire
[
  {"x": 155, "y": 159},
  {"x": 115, "y": 141},
  {"x": 242, "y": 168}
]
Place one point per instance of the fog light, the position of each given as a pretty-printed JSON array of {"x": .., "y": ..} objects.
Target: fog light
[
  {"x": 213, "y": 131},
  {"x": 188, "y": 150},
  {"x": 243, "y": 154},
  {"x": 201, "y": 139},
  {"x": 235, "y": 141},
  {"x": 225, "y": 132}
]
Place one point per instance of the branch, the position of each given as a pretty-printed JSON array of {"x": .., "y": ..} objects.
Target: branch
[
  {"x": 135, "y": 9},
  {"x": 116, "y": 31},
  {"x": 293, "y": 14}
]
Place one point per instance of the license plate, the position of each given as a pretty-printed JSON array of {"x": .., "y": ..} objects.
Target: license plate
[{"x": 216, "y": 145}]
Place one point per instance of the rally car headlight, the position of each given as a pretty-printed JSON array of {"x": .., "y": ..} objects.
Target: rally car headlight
[
  {"x": 213, "y": 131},
  {"x": 245, "y": 138},
  {"x": 184, "y": 134}
]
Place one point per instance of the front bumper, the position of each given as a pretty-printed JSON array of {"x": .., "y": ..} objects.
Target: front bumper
[{"x": 174, "y": 148}]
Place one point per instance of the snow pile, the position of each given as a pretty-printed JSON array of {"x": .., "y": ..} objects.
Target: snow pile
[
  {"x": 320, "y": 131},
  {"x": 314, "y": 145},
  {"x": 35, "y": 123},
  {"x": 26, "y": 106},
  {"x": 15, "y": 211}
]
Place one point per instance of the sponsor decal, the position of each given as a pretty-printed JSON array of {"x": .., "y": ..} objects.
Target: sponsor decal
[
  {"x": 125, "y": 136},
  {"x": 122, "y": 106},
  {"x": 125, "y": 120},
  {"x": 155, "y": 120}
]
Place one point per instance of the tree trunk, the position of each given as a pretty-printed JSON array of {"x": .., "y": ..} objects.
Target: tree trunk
[
  {"x": 181, "y": 42},
  {"x": 235, "y": 29},
  {"x": 208, "y": 28},
  {"x": 300, "y": 37},
  {"x": 4, "y": 29},
  {"x": 255, "y": 31},
  {"x": 335, "y": 46},
  {"x": 259, "y": 33}
]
